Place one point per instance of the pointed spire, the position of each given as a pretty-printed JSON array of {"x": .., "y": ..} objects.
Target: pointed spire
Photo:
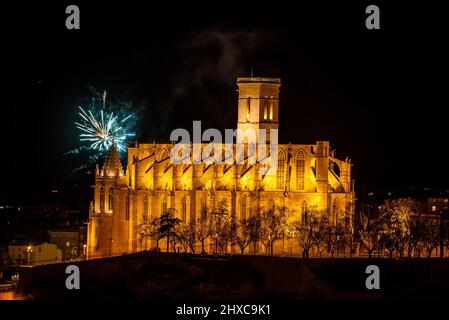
[{"x": 112, "y": 165}]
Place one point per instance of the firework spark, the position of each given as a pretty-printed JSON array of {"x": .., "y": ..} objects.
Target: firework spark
[
  {"x": 104, "y": 130},
  {"x": 102, "y": 123}
]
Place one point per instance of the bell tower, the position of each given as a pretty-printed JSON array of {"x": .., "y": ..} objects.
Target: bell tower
[{"x": 258, "y": 104}]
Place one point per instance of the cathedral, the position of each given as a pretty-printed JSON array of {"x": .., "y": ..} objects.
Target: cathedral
[{"x": 307, "y": 175}]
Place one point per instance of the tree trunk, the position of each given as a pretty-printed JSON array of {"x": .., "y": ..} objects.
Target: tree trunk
[{"x": 168, "y": 242}]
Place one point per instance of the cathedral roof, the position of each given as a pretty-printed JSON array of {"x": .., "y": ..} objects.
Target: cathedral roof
[{"x": 112, "y": 164}]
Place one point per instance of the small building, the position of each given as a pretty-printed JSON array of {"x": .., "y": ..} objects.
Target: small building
[
  {"x": 71, "y": 242},
  {"x": 34, "y": 254}
]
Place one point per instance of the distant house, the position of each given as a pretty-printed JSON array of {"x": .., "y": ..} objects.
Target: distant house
[
  {"x": 34, "y": 254},
  {"x": 70, "y": 242}
]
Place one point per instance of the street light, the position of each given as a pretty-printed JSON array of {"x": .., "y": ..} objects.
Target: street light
[{"x": 29, "y": 250}]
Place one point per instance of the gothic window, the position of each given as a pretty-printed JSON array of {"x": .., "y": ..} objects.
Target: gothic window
[
  {"x": 111, "y": 199},
  {"x": 280, "y": 176},
  {"x": 304, "y": 210},
  {"x": 335, "y": 209},
  {"x": 164, "y": 205},
  {"x": 248, "y": 108},
  {"x": 101, "y": 198},
  {"x": 184, "y": 209},
  {"x": 300, "y": 167},
  {"x": 243, "y": 208},
  {"x": 127, "y": 207},
  {"x": 145, "y": 206},
  {"x": 203, "y": 209},
  {"x": 265, "y": 111}
]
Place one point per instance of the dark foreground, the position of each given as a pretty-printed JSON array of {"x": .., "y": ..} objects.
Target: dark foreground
[{"x": 186, "y": 277}]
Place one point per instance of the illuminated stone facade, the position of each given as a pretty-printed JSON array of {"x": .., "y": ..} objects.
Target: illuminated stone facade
[{"x": 307, "y": 175}]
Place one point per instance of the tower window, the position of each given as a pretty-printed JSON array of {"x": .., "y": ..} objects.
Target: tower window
[
  {"x": 271, "y": 108},
  {"x": 111, "y": 199},
  {"x": 265, "y": 109},
  {"x": 248, "y": 109}
]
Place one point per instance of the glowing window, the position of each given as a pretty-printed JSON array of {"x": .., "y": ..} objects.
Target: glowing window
[
  {"x": 127, "y": 208},
  {"x": 300, "y": 168},
  {"x": 145, "y": 206},
  {"x": 111, "y": 199},
  {"x": 271, "y": 108},
  {"x": 280, "y": 171},
  {"x": 164, "y": 205},
  {"x": 243, "y": 208},
  {"x": 248, "y": 108},
  {"x": 304, "y": 210},
  {"x": 184, "y": 209}
]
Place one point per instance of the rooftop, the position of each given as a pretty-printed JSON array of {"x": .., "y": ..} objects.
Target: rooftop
[{"x": 258, "y": 80}]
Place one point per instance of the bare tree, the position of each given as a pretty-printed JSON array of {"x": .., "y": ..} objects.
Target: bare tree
[
  {"x": 253, "y": 225},
  {"x": 203, "y": 230},
  {"x": 416, "y": 239},
  {"x": 150, "y": 229},
  {"x": 397, "y": 216},
  {"x": 243, "y": 234},
  {"x": 332, "y": 233},
  {"x": 310, "y": 230},
  {"x": 370, "y": 232},
  {"x": 182, "y": 234},
  {"x": 272, "y": 226},
  {"x": 167, "y": 223},
  {"x": 186, "y": 235},
  {"x": 431, "y": 234}
]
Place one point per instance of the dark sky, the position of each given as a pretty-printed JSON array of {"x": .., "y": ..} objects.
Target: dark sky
[{"x": 372, "y": 93}]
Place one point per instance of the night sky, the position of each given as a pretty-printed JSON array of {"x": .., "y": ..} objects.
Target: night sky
[{"x": 372, "y": 93}]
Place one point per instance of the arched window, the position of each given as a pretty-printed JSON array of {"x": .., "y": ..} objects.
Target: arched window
[
  {"x": 203, "y": 209},
  {"x": 101, "y": 198},
  {"x": 184, "y": 209},
  {"x": 111, "y": 199},
  {"x": 243, "y": 208},
  {"x": 271, "y": 108},
  {"x": 300, "y": 167},
  {"x": 164, "y": 205},
  {"x": 145, "y": 206},
  {"x": 248, "y": 109},
  {"x": 335, "y": 210},
  {"x": 304, "y": 210},
  {"x": 127, "y": 207},
  {"x": 280, "y": 175},
  {"x": 265, "y": 109}
]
